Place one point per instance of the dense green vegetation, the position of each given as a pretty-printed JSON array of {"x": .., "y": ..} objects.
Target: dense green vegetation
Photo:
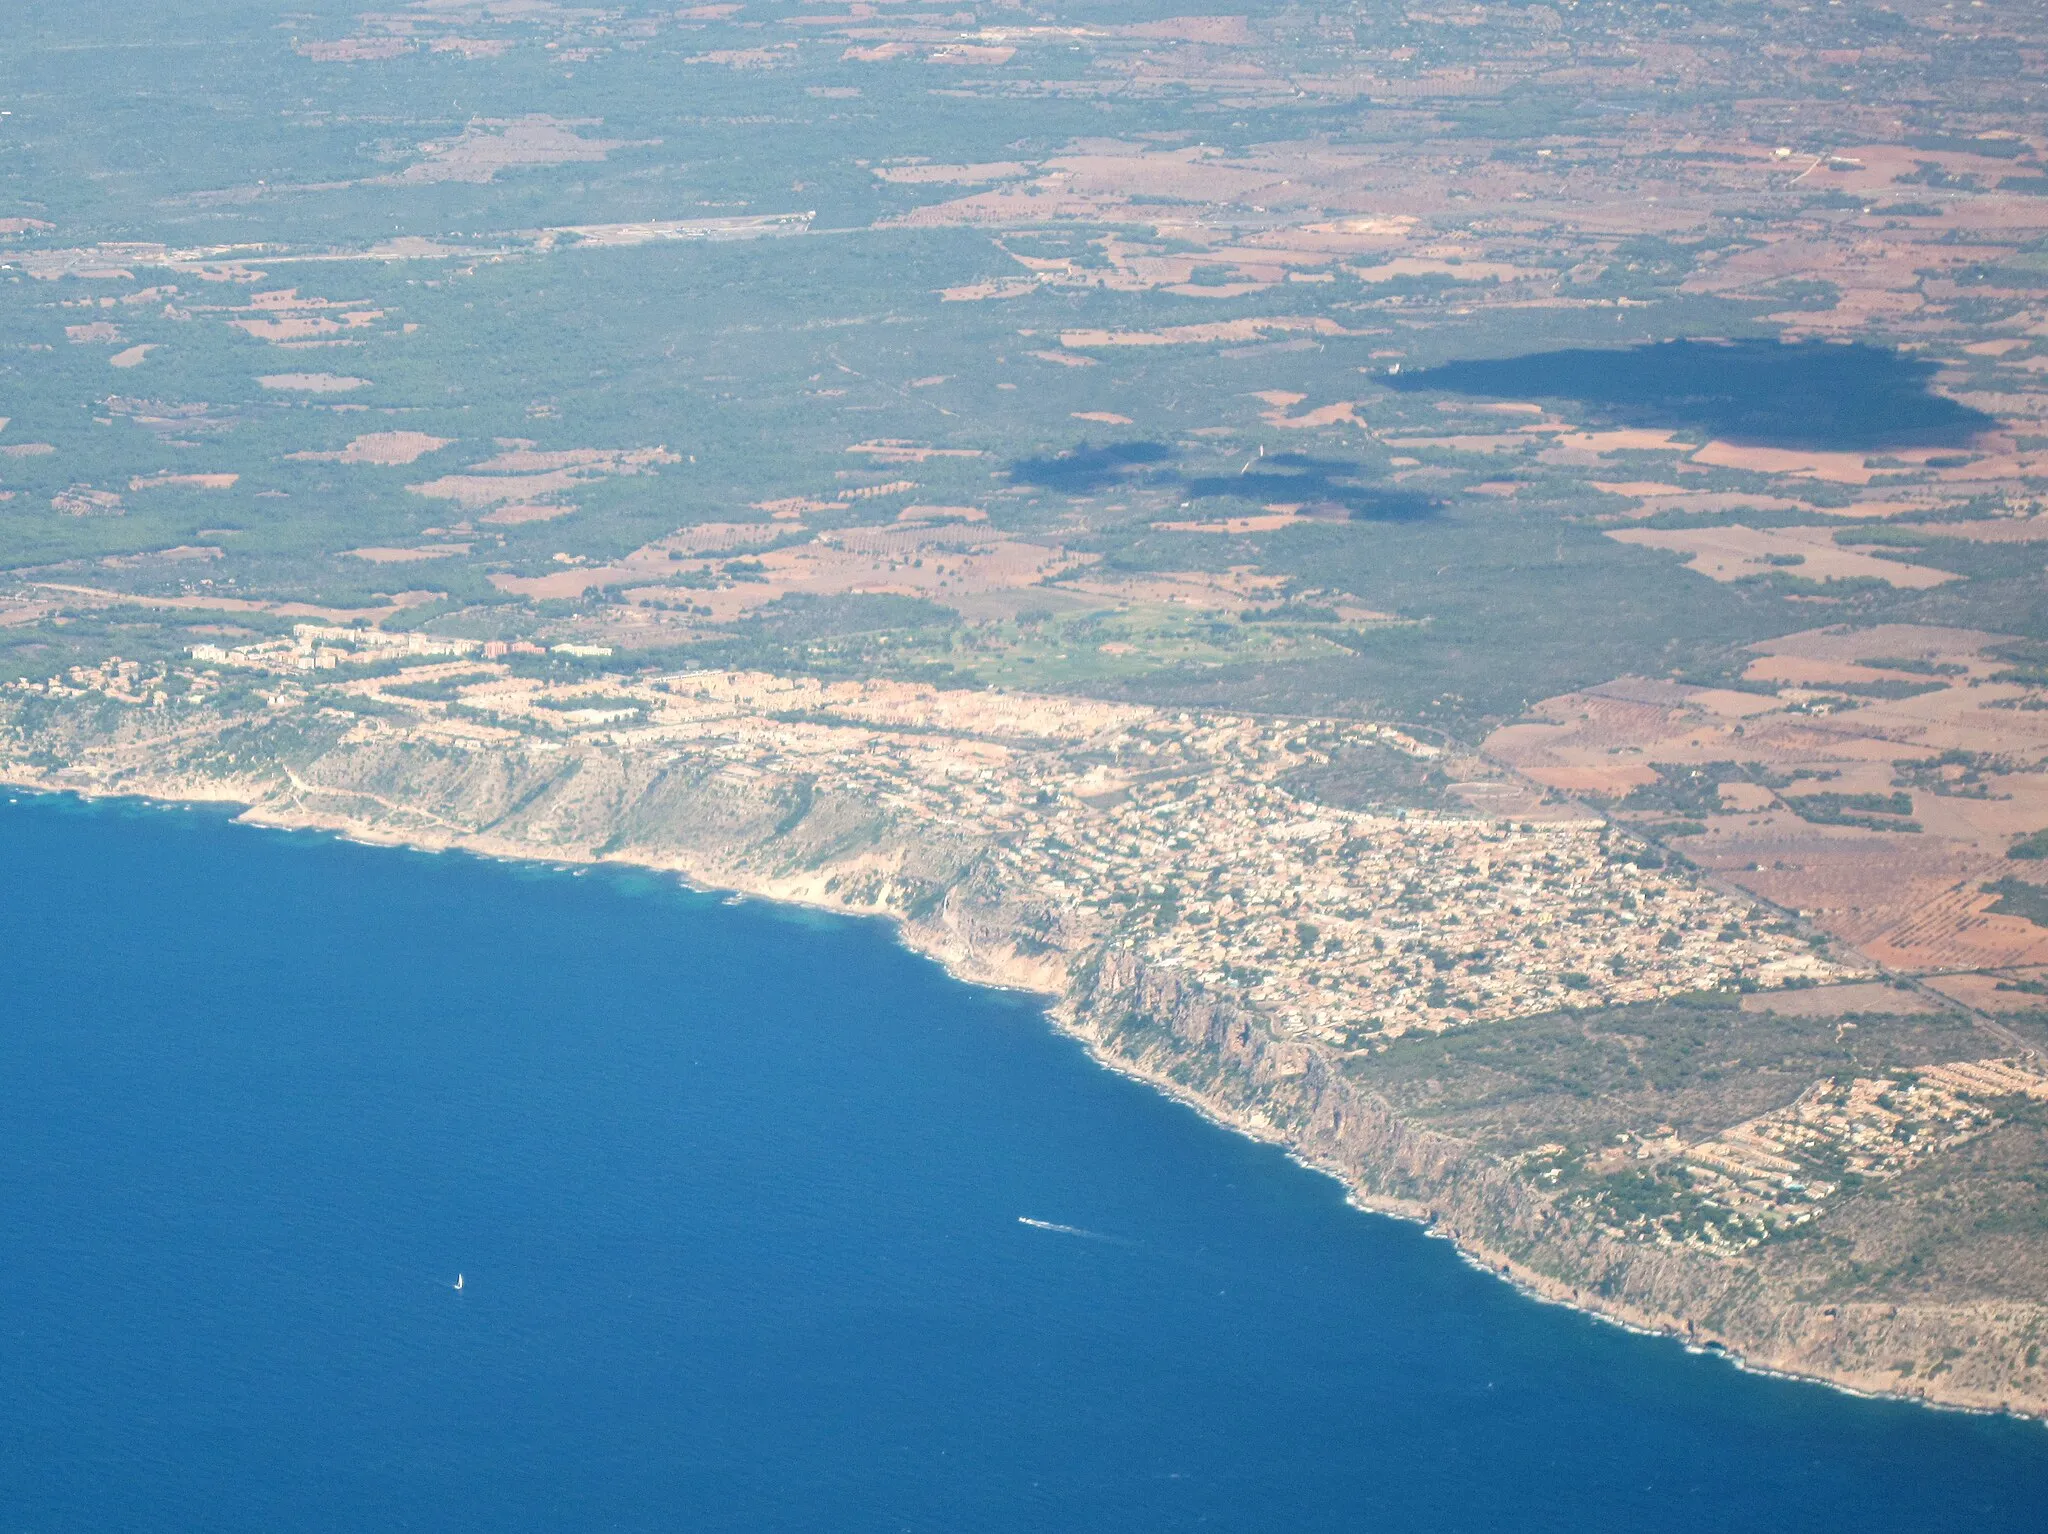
[
  {"x": 758, "y": 364},
  {"x": 2016, "y": 897}
]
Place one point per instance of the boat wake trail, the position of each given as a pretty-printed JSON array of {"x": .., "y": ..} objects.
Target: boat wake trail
[{"x": 1063, "y": 1230}]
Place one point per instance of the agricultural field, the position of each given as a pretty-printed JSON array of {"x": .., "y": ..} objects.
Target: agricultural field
[
  {"x": 1186, "y": 300},
  {"x": 1347, "y": 364}
]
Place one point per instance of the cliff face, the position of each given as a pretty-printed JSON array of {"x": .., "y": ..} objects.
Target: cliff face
[
  {"x": 1983, "y": 1354},
  {"x": 781, "y": 836}
]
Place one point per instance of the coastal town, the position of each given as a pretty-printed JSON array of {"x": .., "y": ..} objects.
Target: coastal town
[
  {"x": 1731, "y": 1192},
  {"x": 1188, "y": 841},
  {"x": 1170, "y": 834}
]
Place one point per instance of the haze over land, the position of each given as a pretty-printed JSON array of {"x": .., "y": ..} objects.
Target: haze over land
[{"x": 1463, "y": 587}]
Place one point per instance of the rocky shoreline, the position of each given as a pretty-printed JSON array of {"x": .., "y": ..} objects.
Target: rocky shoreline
[
  {"x": 1205, "y": 1049},
  {"x": 1392, "y": 1167}
]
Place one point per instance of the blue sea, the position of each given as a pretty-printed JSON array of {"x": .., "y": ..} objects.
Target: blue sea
[{"x": 734, "y": 1194}]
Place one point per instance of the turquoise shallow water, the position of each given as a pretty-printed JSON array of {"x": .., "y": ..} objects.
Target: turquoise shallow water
[{"x": 735, "y": 1195}]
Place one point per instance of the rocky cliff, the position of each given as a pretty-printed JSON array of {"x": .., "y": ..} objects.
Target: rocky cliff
[{"x": 781, "y": 836}]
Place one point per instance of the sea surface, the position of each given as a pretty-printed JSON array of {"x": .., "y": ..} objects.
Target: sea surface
[{"x": 734, "y": 1193}]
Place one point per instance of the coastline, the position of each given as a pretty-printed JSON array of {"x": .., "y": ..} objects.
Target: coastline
[
  {"x": 1067, "y": 1008},
  {"x": 1536, "y": 1287}
]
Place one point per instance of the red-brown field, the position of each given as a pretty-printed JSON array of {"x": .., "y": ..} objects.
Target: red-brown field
[{"x": 1900, "y": 879}]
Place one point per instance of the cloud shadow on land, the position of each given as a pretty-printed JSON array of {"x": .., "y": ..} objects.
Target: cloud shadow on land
[
  {"x": 1088, "y": 467},
  {"x": 1317, "y": 484},
  {"x": 1806, "y": 394},
  {"x": 1314, "y": 483}
]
